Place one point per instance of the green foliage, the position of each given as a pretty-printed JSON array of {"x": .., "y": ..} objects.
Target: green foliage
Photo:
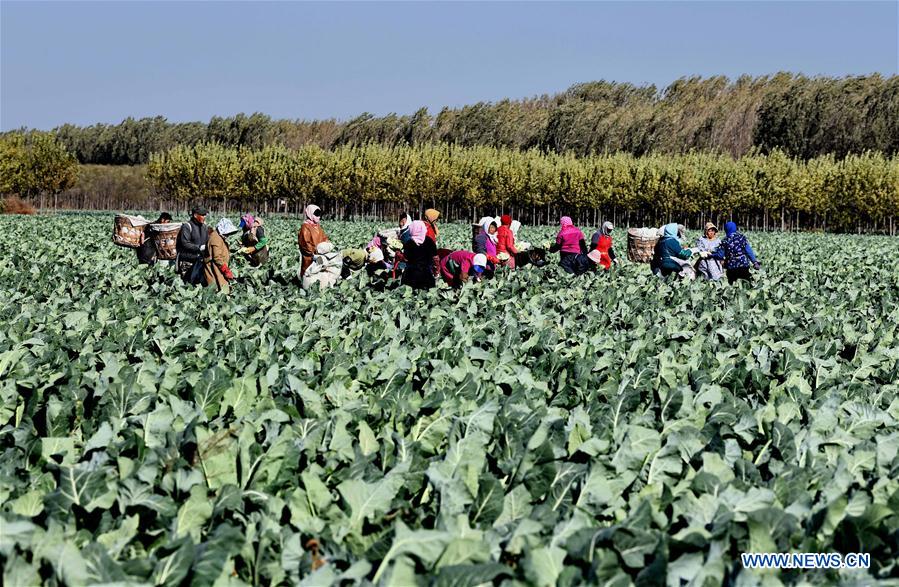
[
  {"x": 35, "y": 163},
  {"x": 532, "y": 429},
  {"x": 860, "y": 190},
  {"x": 801, "y": 116}
]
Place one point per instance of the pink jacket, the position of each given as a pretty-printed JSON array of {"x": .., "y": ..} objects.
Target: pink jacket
[
  {"x": 464, "y": 259},
  {"x": 570, "y": 237}
]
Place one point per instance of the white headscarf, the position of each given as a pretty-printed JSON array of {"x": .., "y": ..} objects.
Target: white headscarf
[
  {"x": 225, "y": 227},
  {"x": 485, "y": 223},
  {"x": 515, "y": 227}
]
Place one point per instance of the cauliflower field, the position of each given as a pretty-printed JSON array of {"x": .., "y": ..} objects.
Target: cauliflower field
[{"x": 535, "y": 429}]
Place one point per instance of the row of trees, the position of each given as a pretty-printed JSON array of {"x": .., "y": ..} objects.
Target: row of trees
[
  {"x": 801, "y": 116},
  {"x": 765, "y": 190},
  {"x": 35, "y": 164}
]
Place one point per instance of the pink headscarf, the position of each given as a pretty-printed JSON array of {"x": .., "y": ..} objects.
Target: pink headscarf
[
  {"x": 312, "y": 214},
  {"x": 418, "y": 230},
  {"x": 566, "y": 222},
  {"x": 248, "y": 221}
]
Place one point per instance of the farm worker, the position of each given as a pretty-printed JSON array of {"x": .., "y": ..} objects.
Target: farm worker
[
  {"x": 353, "y": 260},
  {"x": 519, "y": 244},
  {"x": 190, "y": 246},
  {"x": 253, "y": 240},
  {"x": 310, "y": 236},
  {"x": 325, "y": 268},
  {"x": 505, "y": 241},
  {"x": 709, "y": 267},
  {"x": 602, "y": 242},
  {"x": 217, "y": 256},
  {"x": 581, "y": 263},
  {"x": 737, "y": 254},
  {"x": 486, "y": 240},
  {"x": 456, "y": 267},
  {"x": 430, "y": 219},
  {"x": 419, "y": 252},
  {"x": 390, "y": 240},
  {"x": 146, "y": 252},
  {"x": 569, "y": 243},
  {"x": 669, "y": 255}
]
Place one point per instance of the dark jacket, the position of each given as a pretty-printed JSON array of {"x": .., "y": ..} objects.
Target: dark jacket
[
  {"x": 577, "y": 264},
  {"x": 192, "y": 236},
  {"x": 419, "y": 272},
  {"x": 146, "y": 252}
]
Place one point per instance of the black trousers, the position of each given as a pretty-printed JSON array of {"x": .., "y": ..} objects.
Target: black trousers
[{"x": 738, "y": 274}]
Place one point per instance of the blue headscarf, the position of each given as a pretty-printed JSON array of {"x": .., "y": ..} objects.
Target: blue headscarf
[
  {"x": 730, "y": 228},
  {"x": 670, "y": 230}
]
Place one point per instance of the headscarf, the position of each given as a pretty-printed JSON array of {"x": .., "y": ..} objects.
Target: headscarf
[
  {"x": 566, "y": 221},
  {"x": 670, "y": 230},
  {"x": 405, "y": 227},
  {"x": 225, "y": 227},
  {"x": 607, "y": 228},
  {"x": 515, "y": 227},
  {"x": 313, "y": 214},
  {"x": 730, "y": 228},
  {"x": 431, "y": 216},
  {"x": 505, "y": 220},
  {"x": 479, "y": 260},
  {"x": 418, "y": 231},
  {"x": 247, "y": 221},
  {"x": 485, "y": 223}
]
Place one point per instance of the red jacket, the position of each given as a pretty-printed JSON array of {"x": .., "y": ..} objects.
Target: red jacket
[
  {"x": 505, "y": 241},
  {"x": 603, "y": 246}
]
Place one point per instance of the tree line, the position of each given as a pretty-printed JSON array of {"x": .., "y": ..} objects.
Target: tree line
[
  {"x": 803, "y": 117},
  {"x": 764, "y": 191}
]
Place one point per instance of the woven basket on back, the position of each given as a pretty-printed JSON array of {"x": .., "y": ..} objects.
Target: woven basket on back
[
  {"x": 640, "y": 246},
  {"x": 165, "y": 238},
  {"x": 127, "y": 230}
]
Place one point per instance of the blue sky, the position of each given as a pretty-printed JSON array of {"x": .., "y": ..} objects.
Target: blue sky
[{"x": 86, "y": 62}]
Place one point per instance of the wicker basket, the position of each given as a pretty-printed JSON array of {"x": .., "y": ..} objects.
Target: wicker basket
[
  {"x": 128, "y": 230},
  {"x": 165, "y": 238},
  {"x": 641, "y": 246}
]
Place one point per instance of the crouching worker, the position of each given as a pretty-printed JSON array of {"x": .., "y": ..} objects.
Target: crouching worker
[
  {"x": 325, "y": 267},
  {"x": 581, "y": 263},
  {"x": 602, "y": 242},
  {"x": 217, "y": 256},
  {"x": 458, "y": 266},
  {"x": 670, "y": 257},
  {"x": 254, "y": 244},
  {"x": 353, "y": 261}
]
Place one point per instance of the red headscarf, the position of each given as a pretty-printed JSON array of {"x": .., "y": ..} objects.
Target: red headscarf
[{"x": 506, "y": 220}]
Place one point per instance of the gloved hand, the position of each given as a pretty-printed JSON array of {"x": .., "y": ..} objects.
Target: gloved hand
[
  {"x": 756, "y": 265},
  {"x": 246, "y": 250},
  {"x": 704, "y": 254},
  {"x": 202, "y": 248},
  {"x": 227, "y": 273}
]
